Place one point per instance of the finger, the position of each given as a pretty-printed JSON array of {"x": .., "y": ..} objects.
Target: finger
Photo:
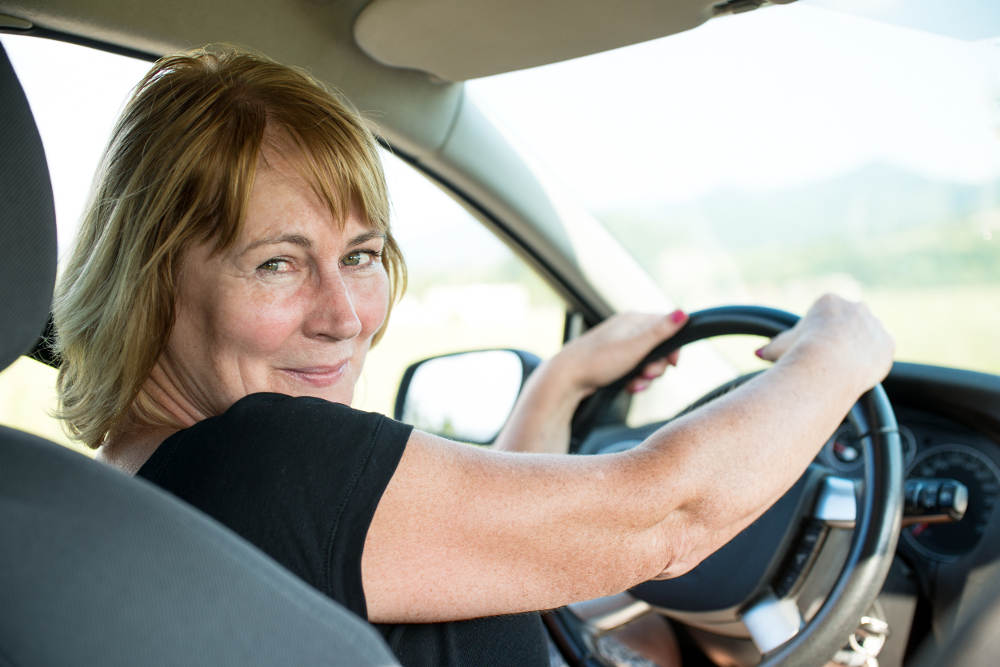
[
  {"x": 665, "y": 326},
  {"x": 777, "y": 347},
  {"x": 655, "y": 369},
  {"x": 636, "y": 385}
]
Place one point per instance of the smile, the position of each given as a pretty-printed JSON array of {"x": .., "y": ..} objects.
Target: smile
[{"x": 318, "y": 376}]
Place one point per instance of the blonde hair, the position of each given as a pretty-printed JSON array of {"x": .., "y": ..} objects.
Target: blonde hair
[{"x": 178, "y": 171}]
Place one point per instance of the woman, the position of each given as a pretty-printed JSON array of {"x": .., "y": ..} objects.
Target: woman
[{"x": 235, "y": 267}]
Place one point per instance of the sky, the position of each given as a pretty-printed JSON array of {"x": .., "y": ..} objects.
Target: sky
[{"x": 761, "y": 100}]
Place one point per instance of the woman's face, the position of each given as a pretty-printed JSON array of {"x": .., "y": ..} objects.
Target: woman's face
[{"x": 291, "y": 307}]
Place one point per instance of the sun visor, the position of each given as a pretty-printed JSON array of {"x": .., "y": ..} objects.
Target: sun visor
[{"x": 463, "y": 40}]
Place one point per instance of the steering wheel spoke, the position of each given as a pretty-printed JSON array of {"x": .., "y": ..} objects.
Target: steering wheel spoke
[
  {"x": 771, "y": 622},
  {"x": 837, "y": 502}
]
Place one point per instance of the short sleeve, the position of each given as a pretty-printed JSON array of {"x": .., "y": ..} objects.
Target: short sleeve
[{"x": 299, "y": 477}]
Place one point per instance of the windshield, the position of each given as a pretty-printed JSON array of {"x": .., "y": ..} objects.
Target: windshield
[{"x": 772, "y": 156}]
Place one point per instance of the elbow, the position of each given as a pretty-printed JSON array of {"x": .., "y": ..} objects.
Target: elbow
[
  {"x": 690, "y": 522},
  {"x": 682, "y": 543},
  {"x": 679, "y": 566}
]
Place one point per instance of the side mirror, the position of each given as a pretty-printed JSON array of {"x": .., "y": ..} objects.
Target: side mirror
[{"x": 464, "y": 396}]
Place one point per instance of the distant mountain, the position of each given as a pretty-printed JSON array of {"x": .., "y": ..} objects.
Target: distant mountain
[{"x": 869, "y": 202}]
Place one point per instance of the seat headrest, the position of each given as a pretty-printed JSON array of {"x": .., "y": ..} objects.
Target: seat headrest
[{"x": 27, "y": 223}]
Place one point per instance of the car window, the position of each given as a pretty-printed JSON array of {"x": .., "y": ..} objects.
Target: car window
[
  {"x": 467, "y": 290},
  {"x": 755, "y": 159}
]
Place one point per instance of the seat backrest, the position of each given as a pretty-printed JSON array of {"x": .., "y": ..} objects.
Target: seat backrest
[{"x": 98, "y": 568}]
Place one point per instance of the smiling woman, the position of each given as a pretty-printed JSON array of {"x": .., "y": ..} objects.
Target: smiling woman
[
  {"x": 292, "y": 267},
  {"x": 201, "y": 151}
]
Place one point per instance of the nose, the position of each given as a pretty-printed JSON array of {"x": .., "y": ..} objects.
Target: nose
[{"x": 333, "y": 314}]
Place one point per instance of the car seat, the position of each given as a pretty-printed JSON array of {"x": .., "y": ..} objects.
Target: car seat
[{"x": 98, "y": 568}]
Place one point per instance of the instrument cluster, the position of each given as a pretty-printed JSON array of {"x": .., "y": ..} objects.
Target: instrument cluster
[{"x": 934, "y": 449}]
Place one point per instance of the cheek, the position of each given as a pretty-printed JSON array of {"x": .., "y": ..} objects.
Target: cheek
[
  {"x": 263, "y": 323},
  {"x": 371, "y": 304},
  {"x": 258, "y": 324}
]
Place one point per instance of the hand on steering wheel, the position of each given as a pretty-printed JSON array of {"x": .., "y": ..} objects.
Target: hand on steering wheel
[
  {"x": 615, "y": 347},
  {"x": 817, "y": 496}
]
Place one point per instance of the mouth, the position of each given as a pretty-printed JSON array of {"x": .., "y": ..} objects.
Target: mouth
[{"x": 318, "y": 376}]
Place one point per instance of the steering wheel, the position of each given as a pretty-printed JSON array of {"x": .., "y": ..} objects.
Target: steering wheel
[{"x": 753, "y": 574}]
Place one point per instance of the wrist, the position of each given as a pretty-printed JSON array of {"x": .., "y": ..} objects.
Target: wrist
[
  {"x": 561, "y": 377},
  {"x": 824, "y": 365}
]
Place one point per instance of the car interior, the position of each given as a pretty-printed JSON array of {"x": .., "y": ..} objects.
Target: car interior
[{"x": 887, "y": 551}]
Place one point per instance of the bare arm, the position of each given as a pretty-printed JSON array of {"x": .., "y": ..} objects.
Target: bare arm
[
  {"x": 464, "y": 532},
  {"x": 540, "y": 420}
]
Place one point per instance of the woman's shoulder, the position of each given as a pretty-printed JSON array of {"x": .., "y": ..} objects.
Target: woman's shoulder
[
  {"x": 293, "y": 476},
  {"x": 305, "y": 420},
  {"x": 266, "y": 404},
  {"x": 276, "y": 428},
  {"x": 303, "y": 414}
]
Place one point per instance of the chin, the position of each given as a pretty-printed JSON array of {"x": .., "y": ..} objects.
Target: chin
[{"x": 334, "y": 396}]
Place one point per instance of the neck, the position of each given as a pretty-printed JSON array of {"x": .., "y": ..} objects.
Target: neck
[
  {"x": 162, "y": 400},
  {"x": 158, "y": 411},
  {"x": 131, "y": 447}
]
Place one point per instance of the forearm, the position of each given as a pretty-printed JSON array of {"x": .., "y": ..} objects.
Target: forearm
[
  {"x": 742, "y": 452},
  {"x": 540, "y": 420}
]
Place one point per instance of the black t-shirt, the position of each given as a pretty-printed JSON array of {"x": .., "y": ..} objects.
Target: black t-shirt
[{"x": 300, "y": 478}]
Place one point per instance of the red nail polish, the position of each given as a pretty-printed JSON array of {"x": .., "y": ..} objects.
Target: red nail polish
[
  {"x": 760, "y": 352},
  {"x": 677, "y": 316}
]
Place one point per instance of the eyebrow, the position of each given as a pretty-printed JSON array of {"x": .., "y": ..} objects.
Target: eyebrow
[
  {"x": 365, "y": 237},
  {"x": 295, "y": 239},
  {"x": 304, "y": 242}
]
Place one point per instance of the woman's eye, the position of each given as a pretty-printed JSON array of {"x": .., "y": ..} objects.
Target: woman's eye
[
  {"x": 362, "y": 257},
  {"x": 274, "y": 265}
]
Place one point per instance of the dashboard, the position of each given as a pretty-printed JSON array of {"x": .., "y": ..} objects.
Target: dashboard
[
  {"x": 950, "y": 427},
  {"x": 939, "y": 448}
]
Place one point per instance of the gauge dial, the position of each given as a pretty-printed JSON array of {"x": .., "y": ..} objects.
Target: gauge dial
[
  {"x": 980, "y": 475},
  {"x": 843, "y": 451}
]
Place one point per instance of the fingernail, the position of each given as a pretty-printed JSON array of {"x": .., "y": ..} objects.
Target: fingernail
[
  {"x": 760, "y": 352},
  {"x": 639, "y": 386},
  {"x": 650, "y": 375},
  {"x": 677, "y": 316}
]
